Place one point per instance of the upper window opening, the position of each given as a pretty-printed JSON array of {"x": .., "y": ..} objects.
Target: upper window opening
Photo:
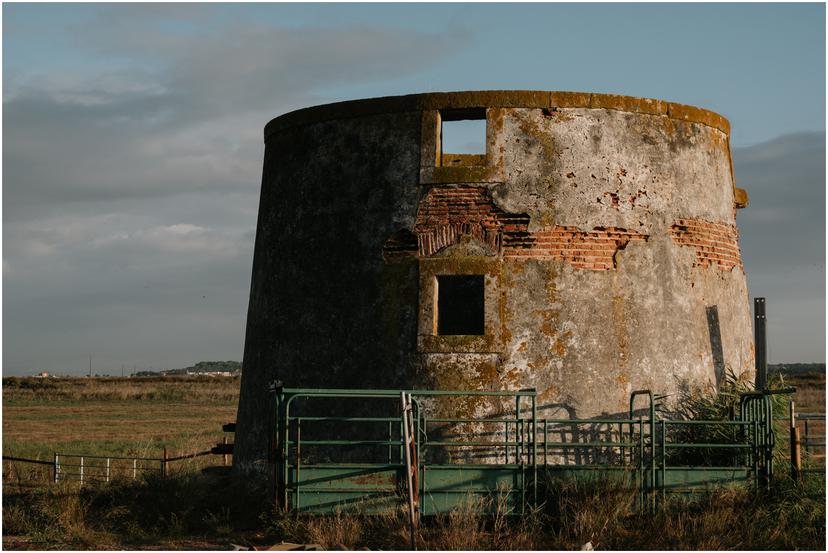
[
  {"x": 463, "y": 133},
  {"x": 460, "y": 305}
]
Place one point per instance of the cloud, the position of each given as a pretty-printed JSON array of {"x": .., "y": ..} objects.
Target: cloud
[
  {"x": 124, "y": 287},
  {"x": 784, "y": 226},
  {"x": 783, "y": 239},
  {"x": 185, "y": 113},
  {"x": 132, "y": 174}
]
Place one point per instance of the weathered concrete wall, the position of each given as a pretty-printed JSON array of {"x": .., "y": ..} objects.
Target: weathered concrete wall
[
  {"x": 324, "y": 311},
  {"x": 604, "y": 227}
]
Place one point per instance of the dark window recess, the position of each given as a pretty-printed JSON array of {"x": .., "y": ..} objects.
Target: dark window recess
[{"x": 460, "y": 305}]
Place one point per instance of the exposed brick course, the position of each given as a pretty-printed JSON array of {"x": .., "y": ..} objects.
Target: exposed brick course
[
  {"x": 716, "y": 244},
  {"x": 593, "y": 249},
  {"x": 447, "y": 213},
  {"x": 400, "y": 245}
]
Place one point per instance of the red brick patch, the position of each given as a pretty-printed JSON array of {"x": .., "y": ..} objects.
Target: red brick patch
[
  {"x": 447, "y": 213},
  {"x": 593, "y": 249},
  {"x": 716, "y": 244}
]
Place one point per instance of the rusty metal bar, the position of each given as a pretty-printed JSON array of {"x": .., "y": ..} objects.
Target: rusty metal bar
[
  {"x": 406, "y": 415},
  {"x": 298, "y": 457},
  {"x": 796, "y": 458}
]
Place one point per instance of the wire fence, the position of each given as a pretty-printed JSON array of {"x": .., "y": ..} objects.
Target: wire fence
[
  {"x": 88, "y": 468},
  {"x": 85, "y": 468},
  {"x": 813, "y": 434},
  {"x": 811, "y": 430}
]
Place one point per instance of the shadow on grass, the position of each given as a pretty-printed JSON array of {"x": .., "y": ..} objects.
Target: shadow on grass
[
  {"x": 129, "y": 513},
  {"x": 192, "y": 510}
]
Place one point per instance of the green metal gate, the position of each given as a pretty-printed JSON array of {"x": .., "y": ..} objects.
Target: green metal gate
[{"x": 344, "y": 450}]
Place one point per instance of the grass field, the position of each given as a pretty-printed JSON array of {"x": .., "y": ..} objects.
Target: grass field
[
  {"x": 810, "y": 391},
  {"x": 124, "y": 416},
  {"x": 115, "y": 416},
  {"x": 194, "y": 510}
]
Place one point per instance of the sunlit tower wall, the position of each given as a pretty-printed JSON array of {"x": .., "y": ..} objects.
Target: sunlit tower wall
[{"x": 589, "y": 251}]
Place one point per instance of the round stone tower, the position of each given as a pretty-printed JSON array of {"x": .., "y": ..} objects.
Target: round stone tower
[{"x": 591, "y": 250}]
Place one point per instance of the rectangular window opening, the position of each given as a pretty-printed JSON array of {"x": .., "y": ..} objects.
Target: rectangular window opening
[
  {"x": 460, "y": 305},
  {"x": 463, "y": 137}
]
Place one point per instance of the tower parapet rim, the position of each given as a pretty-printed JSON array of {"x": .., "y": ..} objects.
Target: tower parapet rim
[{"x": 538, "y": 99}]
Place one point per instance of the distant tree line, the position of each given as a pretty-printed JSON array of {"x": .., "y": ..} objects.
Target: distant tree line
[
  {"x": 796, "y": 368},
  {"x": 202, "y": 367}
]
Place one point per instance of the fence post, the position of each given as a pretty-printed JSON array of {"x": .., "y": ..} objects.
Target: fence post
[
  {"x": 56, "y": 467},
  {"x": 134, "y": 469},
  {"x": 81, "y": 470},
  {"x": 107, "y": 469},
  {"x": 761, "y": 342},
  {"x": 796, "y": 457},
  {"x": 164, "y": 463},
  {"x": 224, "y": 455}
]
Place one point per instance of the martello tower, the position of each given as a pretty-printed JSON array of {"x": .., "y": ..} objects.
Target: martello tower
[{"x": 590, "y": 251}]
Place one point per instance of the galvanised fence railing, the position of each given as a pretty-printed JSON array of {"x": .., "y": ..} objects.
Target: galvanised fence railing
[
  {"x": 85, "y": 468},
  {"x": 91, "y": 468}
]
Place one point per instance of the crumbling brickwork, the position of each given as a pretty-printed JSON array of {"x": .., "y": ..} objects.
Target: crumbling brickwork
[
  {"x": 716, "y": 244},
  {"x": 595, "y": 249},
  {"x": 447, "y": 213}
]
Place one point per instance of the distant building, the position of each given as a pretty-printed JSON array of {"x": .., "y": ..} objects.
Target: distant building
[
  {"x": 210, "y": 373},
  {"x": 42, "y": 374}
]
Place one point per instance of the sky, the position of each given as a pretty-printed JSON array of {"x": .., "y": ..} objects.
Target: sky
[{"x": 132, "y": 145}]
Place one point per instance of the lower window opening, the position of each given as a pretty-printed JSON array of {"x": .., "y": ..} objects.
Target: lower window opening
[{"x": 460, "y": 305}]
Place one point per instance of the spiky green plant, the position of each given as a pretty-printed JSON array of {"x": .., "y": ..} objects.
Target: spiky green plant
[{"x": 721, "y": 404}]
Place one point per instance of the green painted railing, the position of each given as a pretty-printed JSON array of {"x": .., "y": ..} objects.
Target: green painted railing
[{"x": 354, "y": 461}]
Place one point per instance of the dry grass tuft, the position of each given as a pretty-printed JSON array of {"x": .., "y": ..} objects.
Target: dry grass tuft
[
  {"x": 589, "y": 511},
  {"x": 191, "y": 506},
  {"x": 162, "y": 388}
]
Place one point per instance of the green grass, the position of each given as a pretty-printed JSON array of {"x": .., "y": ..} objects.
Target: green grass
[{"x": 115, "y": 416}]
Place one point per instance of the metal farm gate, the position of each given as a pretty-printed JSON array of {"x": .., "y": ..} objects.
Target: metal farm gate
[{"x": 366, "y": 450}]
